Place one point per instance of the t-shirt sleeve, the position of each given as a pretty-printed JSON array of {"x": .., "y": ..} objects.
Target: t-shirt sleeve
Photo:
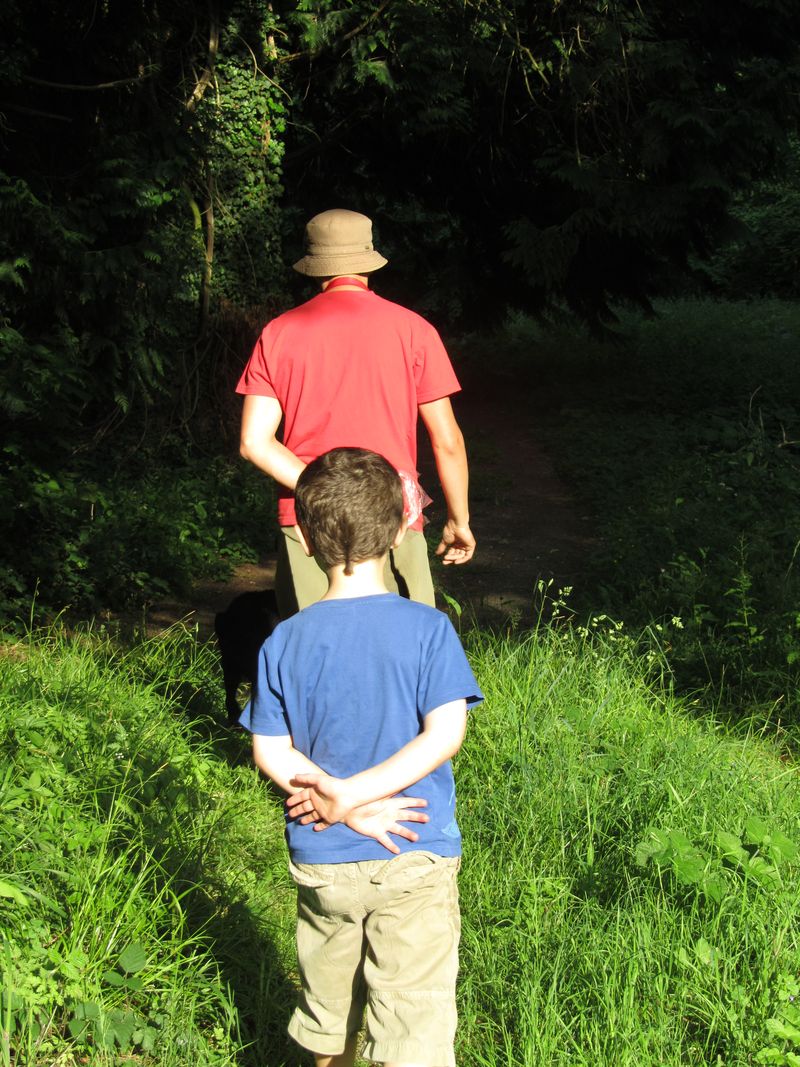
[
  {"x": 256, "y": 379},
  {"x": 446, "y": 674},
  {"x": 265, "y": 713},
  {"x": 433, "y": 372}
]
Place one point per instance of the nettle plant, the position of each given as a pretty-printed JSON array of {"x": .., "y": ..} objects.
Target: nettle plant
[
  {"x": 737, "y": 865},
  {"x": 121, "y": 1027},
  {"x": 784, "y": 1025},
  {"x": 757, "y": 856}
]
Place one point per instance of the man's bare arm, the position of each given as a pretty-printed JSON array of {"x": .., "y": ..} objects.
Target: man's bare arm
[
  {"x": 458, "y": 543},
  {"x": 261, "y": 417}
]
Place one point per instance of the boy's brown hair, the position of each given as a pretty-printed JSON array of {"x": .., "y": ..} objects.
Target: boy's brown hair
[{"x": 349, "y": 503}]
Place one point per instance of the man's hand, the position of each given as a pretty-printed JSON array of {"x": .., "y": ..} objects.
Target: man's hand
[{"x": 457, "y": 544}]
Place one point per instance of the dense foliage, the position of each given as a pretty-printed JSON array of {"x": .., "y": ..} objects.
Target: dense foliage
[
  {"x": 139, "y": 177},
  {"x": 517, "y": 151},
  {"x": 511, "y": 153}
]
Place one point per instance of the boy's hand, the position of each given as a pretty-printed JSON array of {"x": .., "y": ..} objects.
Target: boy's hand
[
  {"x": 384, "y": 817},
  {"x": 377, "y": 819},
  {"x": 324, "y": 799}
]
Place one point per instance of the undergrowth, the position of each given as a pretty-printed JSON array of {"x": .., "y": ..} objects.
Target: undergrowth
[{"x": 95, "y": 536}]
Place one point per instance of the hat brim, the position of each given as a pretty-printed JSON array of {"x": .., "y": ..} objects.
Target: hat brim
[{"x": 331, "y": 266}]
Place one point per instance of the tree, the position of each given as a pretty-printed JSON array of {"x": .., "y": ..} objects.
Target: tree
[
  {"x": 522, "y": 152},
  {"x": 139, "y": 178}
]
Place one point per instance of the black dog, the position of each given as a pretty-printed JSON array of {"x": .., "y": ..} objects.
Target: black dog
[{"x": 241, "y": 630}]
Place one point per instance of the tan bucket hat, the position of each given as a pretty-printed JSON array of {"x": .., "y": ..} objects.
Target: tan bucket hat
[{"x": 339, "y": 242}]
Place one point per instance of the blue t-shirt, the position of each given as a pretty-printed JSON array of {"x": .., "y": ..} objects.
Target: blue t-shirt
[{"x": 351, "y": 681}]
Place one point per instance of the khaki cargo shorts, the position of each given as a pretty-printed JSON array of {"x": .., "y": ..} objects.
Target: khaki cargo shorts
[
  {"x": 300, "y": 581},
  {"x": 381, "y": 937}
]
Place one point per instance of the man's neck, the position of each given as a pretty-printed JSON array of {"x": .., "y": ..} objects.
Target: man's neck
[
  {"x": 360, "y": 282},
  {"x": 366, "y": 580}
]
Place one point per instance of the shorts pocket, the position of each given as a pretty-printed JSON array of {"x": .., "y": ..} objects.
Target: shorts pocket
[
  {"x": 311, "y": 875},
  {"x": 415, "y": 868}
]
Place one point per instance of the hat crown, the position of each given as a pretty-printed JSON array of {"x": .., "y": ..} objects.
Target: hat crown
[
  {"x": 339, "y": 230},
  {"x": 339, "y": 242}
]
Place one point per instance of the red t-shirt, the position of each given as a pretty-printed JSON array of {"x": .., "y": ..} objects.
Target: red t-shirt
[{"x": 349, "y": 369}]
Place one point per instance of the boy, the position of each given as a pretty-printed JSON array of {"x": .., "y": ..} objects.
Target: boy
[{"x": 360, "y": 696}]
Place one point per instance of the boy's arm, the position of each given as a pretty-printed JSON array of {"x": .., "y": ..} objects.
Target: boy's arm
[
  {"x": 258, "y": 442},
  {"x": 328, "y": 800},
  {"x": 280, "y": 761},
  {"x": 458, "y": 543}
]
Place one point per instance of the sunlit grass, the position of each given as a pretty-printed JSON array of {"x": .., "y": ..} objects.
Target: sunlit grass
[
  {"x": 608, "y": 918},
  {"x": 579, "y": 946}
]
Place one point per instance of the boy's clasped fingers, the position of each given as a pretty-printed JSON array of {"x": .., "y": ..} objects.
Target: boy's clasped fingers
[{"x": 320, "y": 795}]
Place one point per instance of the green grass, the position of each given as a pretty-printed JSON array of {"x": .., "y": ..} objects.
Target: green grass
[
  {"x": 137, "y": 856},
  {"x": 607, "y": 919},
  {"x": 630, "y": 886}
]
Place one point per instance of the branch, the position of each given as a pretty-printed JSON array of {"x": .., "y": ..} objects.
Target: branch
[
  {"x": 85, "y": 88},
  {"x": 205, "y": 283},
  {"x": 35, "y": 111},
  {"x": 208, "y": 74},
  {"x": 375, "y": 14}
]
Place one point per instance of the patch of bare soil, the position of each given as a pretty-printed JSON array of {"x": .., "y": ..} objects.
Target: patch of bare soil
[{"x": 527, "y": 524}]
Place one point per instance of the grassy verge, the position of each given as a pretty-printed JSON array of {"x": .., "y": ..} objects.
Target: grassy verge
[
  {"x": 630, "y": 884},
  {"x": 144, "y": 909},
  {"x": 630, "y": 888}
]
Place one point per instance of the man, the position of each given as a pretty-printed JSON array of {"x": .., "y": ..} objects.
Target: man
[{"x": 348, "y": 368}]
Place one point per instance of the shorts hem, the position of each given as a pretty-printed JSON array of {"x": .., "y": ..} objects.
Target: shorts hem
[
  {"x": 409, "y": 1052},
  {"x": 320, "y": 1044}
]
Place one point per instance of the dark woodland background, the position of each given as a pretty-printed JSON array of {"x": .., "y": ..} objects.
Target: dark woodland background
[{"x": 576, "y": 168}]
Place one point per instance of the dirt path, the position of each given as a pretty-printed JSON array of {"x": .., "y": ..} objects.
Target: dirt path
[
  {"x": 525, "y": 520},
  {"x": 526, "y": 523}
]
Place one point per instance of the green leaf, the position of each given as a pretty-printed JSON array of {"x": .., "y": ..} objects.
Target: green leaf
[
  {"x": 713, "y": 887},
  {"x": 783, "y": 1030},
  {"x": 656, "y": 846},
  {"x": 145, "y": 1038},
  {"x": 680, "y": 842},
  {"x": 122, "y": 1024},
  {"x": 755, "y": 831},
  {"x": 87, "y": 1010},
  {"x": 13, "y": 892},
  {"x": 779, "y": 843},
  {"x": 689, "y": 869},
  {"x": 133, "y": 959},
  {"x": 78, "y": 1028},
  {"x": 764, "y": 873},
  {"x": 731, "y": 847},
  {"x": 706, "y": 953},
  {"x": 452, "y": 603}
]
